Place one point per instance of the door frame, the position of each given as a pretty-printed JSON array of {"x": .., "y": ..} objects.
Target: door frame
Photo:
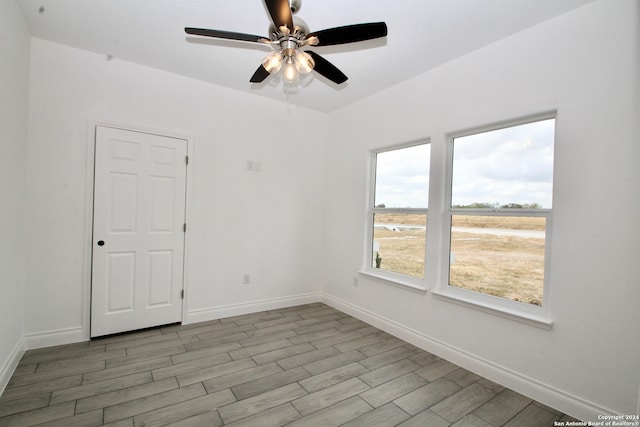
[{"x": 89, "y": 196}]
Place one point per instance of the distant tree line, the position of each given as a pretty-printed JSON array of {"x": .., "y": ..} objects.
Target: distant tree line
[
  {"x": 498, "y": 206},
  {"x": 489, "y": 206}
]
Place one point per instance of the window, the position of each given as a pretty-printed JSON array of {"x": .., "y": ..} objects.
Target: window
[
  {"x": 398, "y": 211},
  {"x": 500, "y": 210}
]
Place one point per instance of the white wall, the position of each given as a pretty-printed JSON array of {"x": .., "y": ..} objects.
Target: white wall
[
  {"x": 584, "y": 65},
  {"x": 263, "y": 223},
  {"x": 14, "y": 89}
]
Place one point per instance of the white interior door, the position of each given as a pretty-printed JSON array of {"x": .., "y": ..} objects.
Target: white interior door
[{"x": 138, "y": 234}]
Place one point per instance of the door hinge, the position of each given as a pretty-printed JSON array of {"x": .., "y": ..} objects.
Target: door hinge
[
  {"x": 186, "y": 159},
  {"x": 184, "y": 227},
  {"x": 182, "y": 294}
]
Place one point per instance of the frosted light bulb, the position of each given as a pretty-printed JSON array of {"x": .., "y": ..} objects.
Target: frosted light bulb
[
  {"x": 304, "y": 62},
  {"x": 290, "y": 72},
  {"x": 273, "y": 62}
]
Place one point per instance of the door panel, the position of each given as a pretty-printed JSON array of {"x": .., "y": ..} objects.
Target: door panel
[
  {"x": 139, "y": 211},
  {"x": 159, "y": 283},
  {"x": 162, "y": 196},
  {"x": 120, "y": 283},
  {"x": 124, "y": 193}
]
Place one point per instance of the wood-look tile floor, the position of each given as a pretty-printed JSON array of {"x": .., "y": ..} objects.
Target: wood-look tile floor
[{"x": 309, "y": 365}]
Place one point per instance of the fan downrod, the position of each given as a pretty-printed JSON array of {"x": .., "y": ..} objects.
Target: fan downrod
[{"x": 295, "y": 5}]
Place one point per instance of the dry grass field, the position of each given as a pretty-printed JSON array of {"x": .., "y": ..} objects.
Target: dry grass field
[{"x": 507, "y": 266}]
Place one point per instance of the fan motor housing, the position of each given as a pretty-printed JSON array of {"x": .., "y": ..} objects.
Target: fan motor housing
[{"x": 300, "y": 30}]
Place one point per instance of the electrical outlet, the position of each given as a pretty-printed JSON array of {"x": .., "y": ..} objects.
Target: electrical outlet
[
  {"x": 355, "y": 281},
  {"x": 246, "y": 279},
  {"x": 254, "y": 166}
]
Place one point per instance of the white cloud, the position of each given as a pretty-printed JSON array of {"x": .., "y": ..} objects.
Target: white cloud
[
  {"x": 402, "y": 177},
  {"x": 512, "y": 165}
]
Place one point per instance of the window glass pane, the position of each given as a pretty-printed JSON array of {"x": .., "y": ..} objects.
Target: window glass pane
[
  {"x": 508, "y": 168},
  {"x": 499, "y": 255},
  {"x": 399, "y": 243},
  {"x": 402, "y": 177}
]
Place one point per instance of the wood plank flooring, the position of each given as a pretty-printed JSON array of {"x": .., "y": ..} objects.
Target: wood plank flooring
[{"x": 308, "y": 365}]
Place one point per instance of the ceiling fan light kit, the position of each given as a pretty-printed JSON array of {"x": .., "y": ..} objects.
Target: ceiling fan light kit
[{"x": 289, "y": 34}]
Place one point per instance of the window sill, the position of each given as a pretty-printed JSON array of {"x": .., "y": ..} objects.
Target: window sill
[
  {"x": 512, "y": 313},
  {"x": 391, "y": 279}
]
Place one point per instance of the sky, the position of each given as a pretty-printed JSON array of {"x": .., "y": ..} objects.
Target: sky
[
  {"x": 511, "y": 165},
  {"x": 402, "y": 177}
]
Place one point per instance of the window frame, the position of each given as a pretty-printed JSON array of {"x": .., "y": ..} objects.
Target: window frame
[
  {"x": 411, "y": 283},
  {"x": 523, "y": 312}
]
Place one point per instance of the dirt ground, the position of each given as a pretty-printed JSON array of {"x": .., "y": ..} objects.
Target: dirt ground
[{"x": 510, "y": 267}]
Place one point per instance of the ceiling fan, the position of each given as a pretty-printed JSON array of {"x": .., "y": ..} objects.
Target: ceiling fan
[{"x": 288, "y": 35}]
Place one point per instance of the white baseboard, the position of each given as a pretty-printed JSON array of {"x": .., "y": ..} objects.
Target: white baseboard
[
  {"x": 212, "y": 313},
  {"x": 544, "y": 393},
  {"x": 10, "y": 365},
  {"x": 79, "y": 334},
  {"x": 55, "y": 337}
]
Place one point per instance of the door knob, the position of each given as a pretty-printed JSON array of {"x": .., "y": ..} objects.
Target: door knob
[{"x": 100, "y": 242}]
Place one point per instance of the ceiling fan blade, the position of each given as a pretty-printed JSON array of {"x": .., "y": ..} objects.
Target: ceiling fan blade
[
  {"x": 280, "y": 12},
  {"x": 327, "y": 69},
  {"x": 260, "y": 74},
  {"x": 350, "y": 33},
  {"x": 230, "y": 35}
]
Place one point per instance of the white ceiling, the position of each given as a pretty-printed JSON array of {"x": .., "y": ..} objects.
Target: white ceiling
[{"x": 423, "y": 34}]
